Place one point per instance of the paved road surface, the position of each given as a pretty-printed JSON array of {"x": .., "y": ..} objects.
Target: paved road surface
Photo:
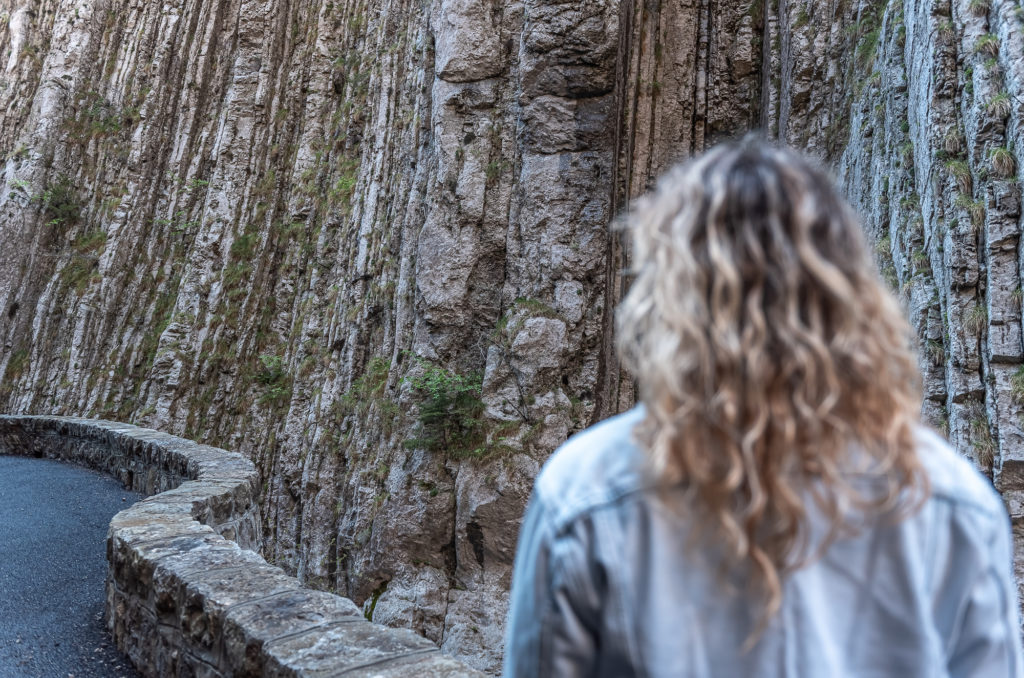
[{"x": 53, "y": 530}]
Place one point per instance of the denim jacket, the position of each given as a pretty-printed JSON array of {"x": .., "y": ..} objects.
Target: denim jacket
[{"x": 607, "y": 582}]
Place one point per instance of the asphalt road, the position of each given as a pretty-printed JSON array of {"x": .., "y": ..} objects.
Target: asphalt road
[{"x": 53, "y": 530}]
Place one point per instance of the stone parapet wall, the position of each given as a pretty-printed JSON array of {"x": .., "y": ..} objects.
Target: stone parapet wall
[{"x": 187, "y": 594}]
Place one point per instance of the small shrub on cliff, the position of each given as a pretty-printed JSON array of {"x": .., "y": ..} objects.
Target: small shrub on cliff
[
  {"x": 961, "y": 174},
  {"x": 271, "y": 369},
  {"x": 90, "y": 242},
  {"x": 952, "y": 141},
  {"x": 887, "y": 270},
  {"x": 999, "y": 105},
  {"x": 17, "y": 364},
  {"x": 371, "y": 384},
  {"x": 243, "y": 246},
  {"x": 60, "y": 203},
  {"x": 922, "y": 262},
  {"x": 450, "y": 412},
  {"x": 906, "y": 151},
  {"x": 975, "y": 319},
  {"x": 883, "y": 247},
  {"x": 1017, "y": 385},
  {"x": 979, "y": 7},
  {"x": 867, "y": 48},
  {"x": 1003, "y": 162},
  {"x": 272, "y": 375},
  {"x": 988, "y": 45},
  {"x": 947, "y": 32},
  {"x": 975, "y": 208},
  {"x": 981, "y": 436},
  {"x": 342, "y": 190},
  {"x": 276, "y": 395}
]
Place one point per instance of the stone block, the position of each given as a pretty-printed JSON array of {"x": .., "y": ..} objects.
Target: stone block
[
  {"x": 249, "y": 626},
  {"x": 342, "y": 646}
]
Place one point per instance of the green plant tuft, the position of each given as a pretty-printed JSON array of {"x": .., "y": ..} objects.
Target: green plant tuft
[
  {"x": 946, "y": 32},
  {"x": 89, "y": 242},
  {"x": 60, "y": 203},
  {"x": 271, "y": 370},
  {"x": 979, "y": 7},
  {"x": 975, "y": 208},
  {"x": 961, "y": 173},
  {"x": 952, "y": 141},
  {"x": 17, "y": 364},
  {"x": 1017, "y": 385},
  {"x": 999, "y": 105},
  {"x": 450, "y": 412},
  {"x": 243, "y": 246},
  {"x": 271, "y": 374},
  {"x": 975, "y": 319},
  {"x": 906, "y": 151},
  {"x": 367, "y": 390},
  {"x": 1003, "y": 163},
  {"x": 988, "y": 45},
  {"x": 803, "y": 17},
  {"x": 981, "y": 435},
  {"x": 867, "y": 48}
]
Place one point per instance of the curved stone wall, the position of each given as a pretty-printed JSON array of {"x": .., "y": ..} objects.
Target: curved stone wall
[{"x": 187, "y": 595}]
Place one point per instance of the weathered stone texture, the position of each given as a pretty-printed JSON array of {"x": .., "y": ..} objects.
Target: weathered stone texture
[
  {"x": 929, "y": 94},
  {"x": 290, "y": 210}
]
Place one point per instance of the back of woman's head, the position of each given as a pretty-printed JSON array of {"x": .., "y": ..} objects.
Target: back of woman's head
[{"x": 774, "y": 364}]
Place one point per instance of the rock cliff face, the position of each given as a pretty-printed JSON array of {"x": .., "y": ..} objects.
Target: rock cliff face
[{"x": 367, "y": 244}]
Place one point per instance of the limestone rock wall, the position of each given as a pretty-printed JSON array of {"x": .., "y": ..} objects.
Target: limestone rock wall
[{"x": 367, "y": 244}]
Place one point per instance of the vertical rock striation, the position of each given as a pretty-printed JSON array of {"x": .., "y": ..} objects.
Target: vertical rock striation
[{"x": 368, "y": 245}]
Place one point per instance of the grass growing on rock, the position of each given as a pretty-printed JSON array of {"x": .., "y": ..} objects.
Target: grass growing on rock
[
  {"x": 906, "y": 151},
  {"x": 975, "y": 319},
  {"x": 17, "y": 364},
  {"x": 975, "y": 208},
  {"x": 952, "y": 141},
  {"x": 867, "y": 48},
  {"x": 946, "y": 32},
  {"x": 272, "y": 375},
  {"x": 981, "y": 435},
  {"x": 60, "y": 203},
  {"x": 988, "y": 45},
  {"x": 935, "y": 352},
  {"x": 369, "y": 390},
  {"x": 1003, "y": 162},
  {"x": 999, "y": 105},
  {"x": 1017, "y": 385},
  {"x": 961, "y": 173},
  {"x": 979, "y": 7}
]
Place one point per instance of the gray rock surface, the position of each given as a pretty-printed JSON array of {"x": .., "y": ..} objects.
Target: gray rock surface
[{"x": 257, "y": 224}]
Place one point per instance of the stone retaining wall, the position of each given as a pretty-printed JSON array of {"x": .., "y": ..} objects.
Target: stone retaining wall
[{"x": 187, "y": 595}]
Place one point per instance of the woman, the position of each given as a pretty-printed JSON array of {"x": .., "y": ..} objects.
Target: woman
[{"x": 773, "y": 507}]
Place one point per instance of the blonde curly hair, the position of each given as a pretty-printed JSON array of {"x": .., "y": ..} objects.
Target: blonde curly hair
[{"x": 775, "y": 366}]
